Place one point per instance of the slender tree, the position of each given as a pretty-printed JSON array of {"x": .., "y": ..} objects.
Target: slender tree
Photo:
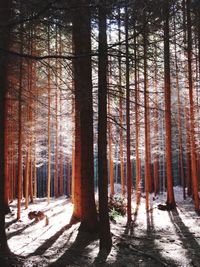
[
  {"x": 104, "y": 225},
  {"x": 49, "y": 122},
  {"x": 146, "y": 119},
  {"x": 27, "y": 179},
  {"x": 20, "y": 133},
  {"x": 121, "y": 108},
  {"x": 6, "y": 151},
  {"x": 57, "y": 123},
  {"x": 195, "y": 185},
  {"x": 137, "y": 159},
  {"x": 156, "y": 128},
  {"x": 179, "y": 115},
  {"x": 61, "y": 117},
  {"x": 128, "y": 143},
  {"x": 167, "y": 90},
  {"x": 110, "y": 149}
]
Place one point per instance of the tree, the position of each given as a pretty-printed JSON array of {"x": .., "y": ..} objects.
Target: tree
[
  {"x": 81, "y": 33},
  {"x": 128, "y": 145},
  {"x": 104, "y": 224},
  {"x": 49, "y": 122},
  {"x": 167, "y": 90},
  {"x": 110, "y": 154},
  {"x": 156, "y": 127},
  {"x": 191, "y": 110},
  {"x": 5, "y": 8},
  {"x": 148, "y": 181},
  {"x": 6, "y": 158},
  {"x": 20, "y": 136},
  {"x": 137, "y": 126},
  {"x": 179, "y": 115},
  {"x": 121, "y": 108}
]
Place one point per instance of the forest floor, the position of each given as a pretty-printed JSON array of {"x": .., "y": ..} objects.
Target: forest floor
[{"x": 157, "y": 238}]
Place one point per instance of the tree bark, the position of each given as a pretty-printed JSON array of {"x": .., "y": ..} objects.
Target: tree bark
[
  {"x": 156, "y": 134},
  {"x": 167, "y": 88},
  {"x": 110, "y": 148},
  {"x": 146, "y": 121},
  {"x": 121, "y": 111},
  {"x": 81, "y": 32},
  {"x": 6, "y": 158},
  {"x": 128, "y": 144},
  {"x": 20, "y": 133},
  {"x": 49, "y": 124},
  {"x": 179, "y": 116},
  {"x": 191, "y": 109},
  {"x": 5, "y": 8},
  {"x": 104, "y": 224},
  {"x": 27, "y": 179},
  {"x": 57, "y": 126}
]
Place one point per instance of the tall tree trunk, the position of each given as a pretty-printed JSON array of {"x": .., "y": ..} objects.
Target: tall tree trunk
[
  {"x": 12, "y": 194},
  {"x": 179, "y": 116},
  {"x": 191, "y": 101},
  {"x": 76, "y": 158},
  {"x": 186, "y": 110},
  {"x": 6, "y": 158},
  {"x": 137, "y": 160},
  {"x": 73, "y": 173},
  {"x": 110, "y": 149},
  {"x": 121, "y": 110},
  {"x": 27, "y": 179},
  {"x": 35, "y": 177},
  {"x": 146, "y": 122},
  {"x": 128, "y": 145},
  {"x": 188, "y": 154},
  {"x": 56, "y": 107},
  {"x": 74, "y": 144},
  {"x": 68, "y": 180},
  {"x": 20, "y": 133},
  {"x": 81, "y": 32},
  {"x": 5, "y": 8},
  {"x": 156, "y": 136},
  {"x": 167, "y": 88},
  {"x": 61, "y": 150},
  {"x": 35, "y": 104},
  {"x": 104, "y": 225},
  {"x": 76, "y": 162},
  {"x": 30, "y": 114},
  {"x": 61, "y": 118},
  {"x": 49, "y": 124},
  {"x": 138, "y": 133},
  {"x": 31, "y": 178},
  {"x": 76, "y": 168}
]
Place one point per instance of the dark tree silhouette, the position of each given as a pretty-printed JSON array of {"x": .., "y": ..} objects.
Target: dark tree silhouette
[
  {"x": 104, "y": 224},
  {"x": 5, "y": 8},
  {"x": 84, "y": 108}
]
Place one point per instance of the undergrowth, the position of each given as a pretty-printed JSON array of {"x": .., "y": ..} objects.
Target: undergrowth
[{"x": 117, "y": 207}]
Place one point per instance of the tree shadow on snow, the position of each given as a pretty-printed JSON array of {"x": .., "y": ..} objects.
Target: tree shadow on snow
[
  {"x": 136, "y": 249},
  {"x": 49, "y": 242},
  {"x": 187, "y": 238},
  {"x": 8, "y": 224},
  {"x": 21, "y": 230},
  {"x": 78, "y": 252}
]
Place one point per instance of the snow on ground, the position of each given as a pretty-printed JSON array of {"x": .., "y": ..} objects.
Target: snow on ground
[{"x": 154, "y": 238}]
